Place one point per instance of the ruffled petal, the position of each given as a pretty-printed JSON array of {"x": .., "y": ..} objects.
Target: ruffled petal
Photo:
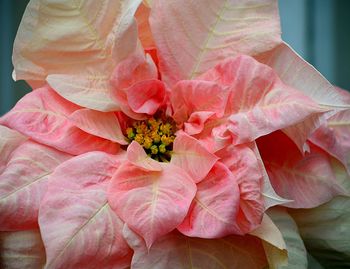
[
  {"x": 152, "y": 203},
  {"x": 43, "y": 115}
]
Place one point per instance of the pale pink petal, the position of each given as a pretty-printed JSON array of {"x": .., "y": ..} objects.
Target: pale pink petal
[
  {"x": 244, "y": 166},
  {"x": 195, "y": 95},
  {"x": 22, "y": 249},
  {"x": 334, "y": 137},
  {"x": 43, "y": 116},
  {"x": 193, "y": 36},
  {"x": 145, "y": 96},
  {"x": 151, "y": 203},
  {"x": 196, "y": 122},
  {"x": 23, "y": 184},
  {"x": 191, "y": 156},
  {"x": 101, "y": 124},
  {"x": 176, "y": 251},
  {"x": 85, "y": 44},
  {"x": 214, "y": 210},
  {"x": 78, "y": 227},
  {"x": 91, "y": 90},
  {"x": 137, "y": 156},
  {"x": 259, "y": 102},
  {"x": 144, "y": 30},
  {"x": 307, "y": 180},
  {"x": 9, "y": 141},
  {"x": 297, "y": 73},
  {"x": 137, "y": 67}
]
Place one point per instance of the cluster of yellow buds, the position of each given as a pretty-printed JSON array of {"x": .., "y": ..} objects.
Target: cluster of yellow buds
[{"x": 155, "y": 136}]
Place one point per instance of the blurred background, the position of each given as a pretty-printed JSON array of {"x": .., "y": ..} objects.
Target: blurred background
[{"x": 319, "y": 30}]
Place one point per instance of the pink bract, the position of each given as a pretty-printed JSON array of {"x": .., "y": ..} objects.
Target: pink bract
[{"x": 163, "y": 133}]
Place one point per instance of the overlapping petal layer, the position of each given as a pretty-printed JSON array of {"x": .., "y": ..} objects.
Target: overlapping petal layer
[
  {"x": 76, "y": 46},
  {"x": 78, "y": 227},
  {"x": 193, "y": 36},
  {"x": 259, "y": 101},
  {"x": 43, "y": 115},
  {"x": 153, "y": 203},
  {"x": 215, "y": 207},
  {"x": 23, "y": 184},
  {"x": 307, "y": 180}
]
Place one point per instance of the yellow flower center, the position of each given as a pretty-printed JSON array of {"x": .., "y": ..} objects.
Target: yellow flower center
[{"x": 155, "y": 136}]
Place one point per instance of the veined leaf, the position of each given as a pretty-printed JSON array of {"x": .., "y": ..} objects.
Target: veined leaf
[
  {"x": 79, "y": 42},
  {"x": 9, "y": 141},
  {"x": 153, "y": 203},
  {"x": 23, "y": 184},
  {"x": 214, "y": 210},
  {"x": 307, "y": 179},
  {"x": 296, "y": 72},
  {"x": 192, "y": 157},
  {"x": 334, "y": 137},
  {"x": 43, "y": 115},
  {"x": 193, "y": 36},
  {"x": 259, "y": 102},
  {"x": 101, "y": 124},
  {"x": 78, "y": 227}
]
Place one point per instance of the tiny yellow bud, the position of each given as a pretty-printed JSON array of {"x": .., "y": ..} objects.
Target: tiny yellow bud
[
  {"x": 154, "y": 149},
  {"x": 162, "y": 148},
  {"x": 147, "y": 143},
  {"x": 139, "y": 138}
]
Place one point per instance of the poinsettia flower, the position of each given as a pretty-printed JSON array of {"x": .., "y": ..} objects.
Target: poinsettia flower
[{"x": 144, "y": 147}]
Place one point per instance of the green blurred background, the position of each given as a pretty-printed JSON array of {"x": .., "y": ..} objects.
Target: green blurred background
[{"x": 319, "y": 30}]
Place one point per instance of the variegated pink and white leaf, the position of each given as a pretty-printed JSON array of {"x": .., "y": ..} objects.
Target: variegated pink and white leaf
[
  {"x": 78, "y": 227},
  {"x": 80, "y": 49},
  {"x": 193, "y": 36},
  {"x": 215, "y": 207},
  {"x": 23, "y": 184},
  {"x": 307, "y": 180},
  {"x": 259, "y": 102},
  {"x": 153, "y": 203},
  {"x": 176, "y": 251},
  {"x": 297, "y": 73},
  {"x": 334, "y": 137},
  {"x": 9, "y": 141},
  {"x": 43, "y": 115},
  {"x": 22, "y": 249}
]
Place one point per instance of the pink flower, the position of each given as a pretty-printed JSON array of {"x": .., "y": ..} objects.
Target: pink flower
[{"x": 132, "y": 155}]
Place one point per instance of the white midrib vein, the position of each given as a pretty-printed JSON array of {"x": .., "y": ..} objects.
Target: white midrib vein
[
  {"x": 206, "y": 42},
  {"x": 76, "y": 233}
]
